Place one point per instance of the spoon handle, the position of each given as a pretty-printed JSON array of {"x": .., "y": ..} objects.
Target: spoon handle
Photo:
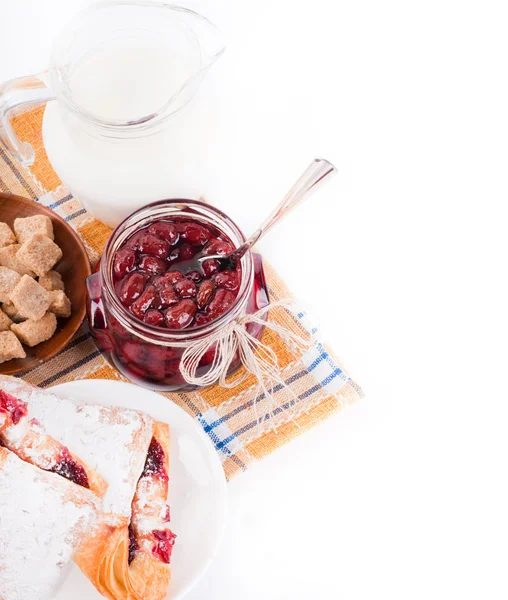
[{"x": 311, "y": 179}]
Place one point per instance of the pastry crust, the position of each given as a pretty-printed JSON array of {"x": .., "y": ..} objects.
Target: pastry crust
[
  {"x": 104, "y": 557},
  {"x": 149, "y": 576}
]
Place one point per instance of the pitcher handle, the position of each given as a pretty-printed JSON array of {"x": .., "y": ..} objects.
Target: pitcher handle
[{"x": 14, "y": 94}]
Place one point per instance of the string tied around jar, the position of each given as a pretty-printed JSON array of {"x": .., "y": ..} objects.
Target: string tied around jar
[{"x": 257, "y": 358}]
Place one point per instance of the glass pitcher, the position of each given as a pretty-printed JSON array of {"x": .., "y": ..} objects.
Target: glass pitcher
[{"x": 123, "y": 131}]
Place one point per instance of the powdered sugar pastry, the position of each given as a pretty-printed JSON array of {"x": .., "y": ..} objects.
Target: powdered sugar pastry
[
  {"x": 111, "y": 440},
  {"x": 43, "y": 518}
]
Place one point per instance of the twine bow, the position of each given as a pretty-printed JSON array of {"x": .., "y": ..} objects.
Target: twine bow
[{"x": 258, "y": 359}]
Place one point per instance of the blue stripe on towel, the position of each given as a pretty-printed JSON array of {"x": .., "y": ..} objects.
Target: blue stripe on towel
[
  {"x": 76, "y": 214},
  {"x": 60, "y": 202}
]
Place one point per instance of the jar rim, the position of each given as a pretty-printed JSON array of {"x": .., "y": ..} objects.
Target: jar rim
[{"x": 156, "y": 211}]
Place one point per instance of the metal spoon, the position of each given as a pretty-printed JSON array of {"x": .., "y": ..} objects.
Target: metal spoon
[{"x": 314, "y": 175}]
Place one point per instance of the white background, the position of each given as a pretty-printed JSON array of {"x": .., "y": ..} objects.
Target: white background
[{"x": 402, "y": 259}]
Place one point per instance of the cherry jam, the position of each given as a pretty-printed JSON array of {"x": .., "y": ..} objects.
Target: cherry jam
[
  {"x": 151, "y": 291},
  {"x": 67, "y": 467},
  {"x": 161, "y": 280},
  {"x": 154, "y": 464}
]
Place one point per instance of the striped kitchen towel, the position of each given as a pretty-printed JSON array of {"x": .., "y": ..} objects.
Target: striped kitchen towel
[{"x": 238, "y": 422}]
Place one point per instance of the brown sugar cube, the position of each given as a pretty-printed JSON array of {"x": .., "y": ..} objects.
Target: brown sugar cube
[
  {"x": 39, "y": 254},
  {"x": 6, "y": 236},
  {"x": 8, "y": 281},
  {"x": 5, "y": 322},
  {"x": 32, "y": 332},
  {"x": 9, "y": 259},
  {"x": 60, "y": 304},
  {"x": 26, "y": 228},
  {"x": 10, "y": 347},
  {"x": 52, "y": 281},
  {"x": 12, "y": 312},
  {"x": 30, "y": 298}
]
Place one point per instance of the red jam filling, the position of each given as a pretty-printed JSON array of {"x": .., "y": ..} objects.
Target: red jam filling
[
  {"x": 14, "y": 407},
  {"x": 165, "y": 539},
  {"x": 154, "y": 464},
  {"x": 164, "y": 542},
  {"x": 69, "y": 468},
  {"x": 160, "y": 280},
  {"x": 167, "y": 516},
  {"x": 133, "y": 544}
]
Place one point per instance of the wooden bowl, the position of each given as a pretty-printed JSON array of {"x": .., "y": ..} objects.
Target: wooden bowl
[{"x": 74, "y": 269}]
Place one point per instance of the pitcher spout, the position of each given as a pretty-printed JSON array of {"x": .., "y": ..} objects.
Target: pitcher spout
[
  {"x": 209, "y": 37},
  {"x": 205, "y": 44}
]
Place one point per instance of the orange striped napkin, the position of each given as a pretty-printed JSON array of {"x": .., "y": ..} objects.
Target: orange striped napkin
[{"x": 237, "y": 422}]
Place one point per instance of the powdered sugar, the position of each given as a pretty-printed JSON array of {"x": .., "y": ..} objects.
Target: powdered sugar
[
  {"x": 43, "y": 517},
  {"x": 43, "y": 455},
  {"x": 113, "y": 441},
  {"x": 15, "y": 433},
  {"x": 150, "y": 505}
]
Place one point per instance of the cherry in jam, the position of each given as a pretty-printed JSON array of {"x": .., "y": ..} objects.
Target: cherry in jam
[{"x": 159, "y": 278}]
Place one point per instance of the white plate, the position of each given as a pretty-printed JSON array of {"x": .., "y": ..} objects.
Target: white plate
[{"x": 197, "y": 485}]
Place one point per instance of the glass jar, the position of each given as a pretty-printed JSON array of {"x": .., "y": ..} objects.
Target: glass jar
[{"x": 150, "y": 356}]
